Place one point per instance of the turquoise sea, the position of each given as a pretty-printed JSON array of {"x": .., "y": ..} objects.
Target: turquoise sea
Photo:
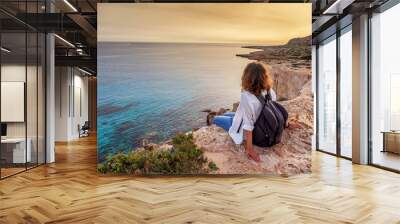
[{"x": 154, "y": 90}]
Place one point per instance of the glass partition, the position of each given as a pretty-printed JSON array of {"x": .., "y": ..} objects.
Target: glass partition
[
  {"x": 14, "y": 153},
  {"x": 385, "y": 89},
  {"x": 327, "y": 95},
  {"x": 22, "y": 77},
  {"x": 31, "y": 97},
  {"x": 346, "y": 92}
]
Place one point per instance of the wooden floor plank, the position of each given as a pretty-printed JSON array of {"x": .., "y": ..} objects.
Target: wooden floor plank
[{"x": 71, "y": 191}]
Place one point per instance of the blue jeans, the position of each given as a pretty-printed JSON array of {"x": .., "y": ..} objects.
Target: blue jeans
[{"x": 224, "y": 121}]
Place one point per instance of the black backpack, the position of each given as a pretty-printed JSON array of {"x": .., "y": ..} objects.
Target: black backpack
[{"x": 270, "y": 123}]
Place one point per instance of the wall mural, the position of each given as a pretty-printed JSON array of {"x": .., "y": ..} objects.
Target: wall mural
[{"x": 204, "y": 88}]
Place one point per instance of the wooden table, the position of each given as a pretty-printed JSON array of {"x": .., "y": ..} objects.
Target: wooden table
[
  {"x": 391, "y": 141},
  {"x": 13, "y": 150}
]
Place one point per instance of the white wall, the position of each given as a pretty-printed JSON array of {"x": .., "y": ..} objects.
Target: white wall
[
  {"x": 33, "y": 127},
  {"x": 13, "y": 73},
  {"x": 10, "y": 73},
  {"x": 62, "y": 82},
  {"x": 71, "y": 103},
  {"x": 79, "y": 103}
]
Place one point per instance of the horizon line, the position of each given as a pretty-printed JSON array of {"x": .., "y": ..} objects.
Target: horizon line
[{"x": 145, "y": 42}]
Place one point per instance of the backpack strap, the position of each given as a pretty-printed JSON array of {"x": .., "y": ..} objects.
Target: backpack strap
[
  {"x": 240, "y": 126},
  {"x": 264, "y": 99},
  {"x": 268, "y": 96}
]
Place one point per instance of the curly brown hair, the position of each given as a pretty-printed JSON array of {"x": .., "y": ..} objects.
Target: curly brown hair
[{"x": 256, "y": 78}]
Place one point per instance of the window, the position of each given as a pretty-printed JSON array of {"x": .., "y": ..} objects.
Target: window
[
  {"x": 327, "y": 95},
  {"x": 346, "y": 92},
  {"x": 385, "y": 89}
]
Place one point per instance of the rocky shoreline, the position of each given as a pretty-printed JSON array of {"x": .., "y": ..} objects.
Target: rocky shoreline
[
  {"x": 291, "y": 156},
  {"x": 291, "y": 72},
  {"x": 292, "y": 83}
]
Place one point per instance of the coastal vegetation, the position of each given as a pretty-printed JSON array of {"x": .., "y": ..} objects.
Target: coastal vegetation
[{"x": 184, "y": 157}]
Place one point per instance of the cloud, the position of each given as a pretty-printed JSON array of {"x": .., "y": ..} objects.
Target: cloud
[{"x": 262, "y": 23}]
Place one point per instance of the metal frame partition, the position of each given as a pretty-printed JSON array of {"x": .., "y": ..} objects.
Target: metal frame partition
[
  {"x": 382, "y": 8},
  {"x": 339, "y": 29},
  {"x": 338, "y": 97},
  {"x": 369, "y": 106},
  {"x": 0, "y": 91},
  {"x": 40, "y": 37},
  {"x": 318, "y": 97}
]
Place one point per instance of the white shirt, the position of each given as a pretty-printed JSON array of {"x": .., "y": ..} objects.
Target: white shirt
[{"x": 246, "y": 114}]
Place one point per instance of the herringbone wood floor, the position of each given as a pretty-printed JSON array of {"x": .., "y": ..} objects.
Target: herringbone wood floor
[{"x": 70, "y": 191}]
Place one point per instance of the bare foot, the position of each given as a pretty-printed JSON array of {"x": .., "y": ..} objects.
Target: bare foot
[{"x": 253, "y": 155}]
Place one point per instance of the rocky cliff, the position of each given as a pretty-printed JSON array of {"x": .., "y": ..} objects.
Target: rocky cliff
[
  {"x": 290, "y": 65},
  {"x": 294, "y": 49},
  {"x": 292, "y": 156},
  {"x": 292, "y": 83}
]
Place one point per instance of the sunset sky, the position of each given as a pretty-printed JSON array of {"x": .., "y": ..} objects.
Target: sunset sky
[{"x": 245, "y": 23}]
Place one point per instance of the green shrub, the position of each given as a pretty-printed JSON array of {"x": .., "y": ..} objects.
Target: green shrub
[
  {"x": 301, "y": 52},
  {"x": 185, "y": 157},
  {"x": 102, "y": 168},
  {"x": 212, "y": 166}
]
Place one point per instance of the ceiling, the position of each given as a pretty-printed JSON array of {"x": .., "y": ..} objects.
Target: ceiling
[{"x": 332, "y": 15}]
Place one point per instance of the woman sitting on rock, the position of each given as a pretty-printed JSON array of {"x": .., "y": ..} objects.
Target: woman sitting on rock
[{"x": 256, "y": 81}]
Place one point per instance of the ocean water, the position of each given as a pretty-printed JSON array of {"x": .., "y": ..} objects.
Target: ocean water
[{"x": 153, "y": 91}]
